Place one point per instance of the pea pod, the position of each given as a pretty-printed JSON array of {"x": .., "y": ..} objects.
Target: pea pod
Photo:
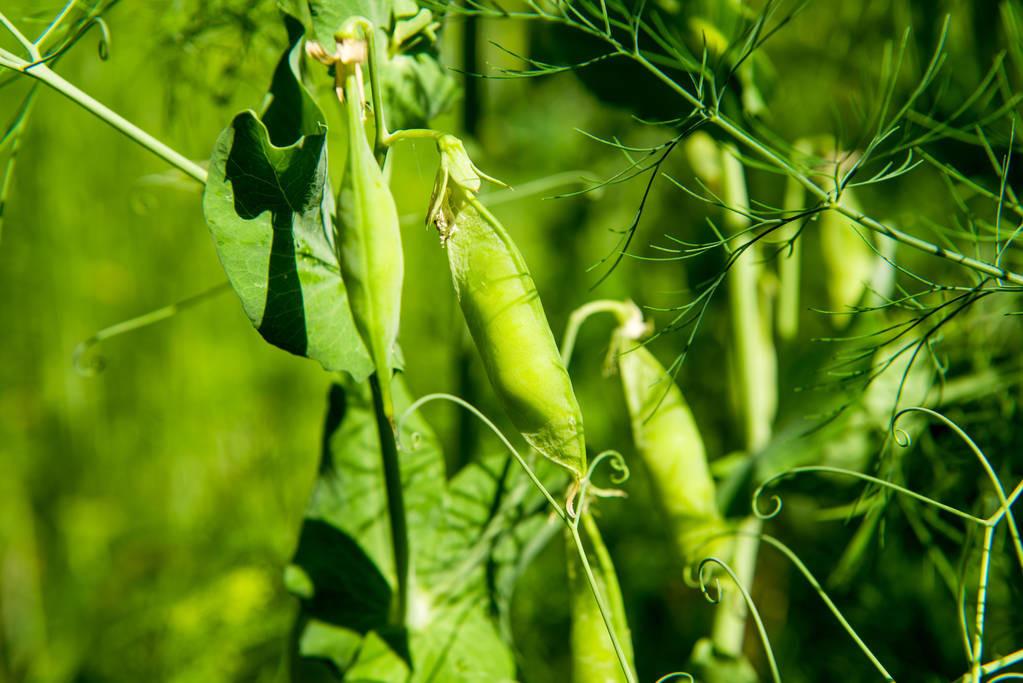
[
  {"x": 368, "y": 241},
  {"x": 505, "y": 317},
  {"x": 594, "y": 659},
  {"x": 669, "y": 443}
]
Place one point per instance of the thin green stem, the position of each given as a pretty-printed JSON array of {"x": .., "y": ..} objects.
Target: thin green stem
[
  {"x": 55, "y": 24},
  {"x": 380, "y": 124},
  {"x": 815, "y": 584},
  {"x": 395, "y": 500},
  {"x": 929, "y": 247},
  {"x": 46, "y": 75},
  {"x": 29, "y": 46},
  {"x": 978, "y": 634},
  {"x": 1002, "y": 662},
  {"x": 857, "y": 475},
  {"x": 747, "y": 601},
  {"x": 15, "y": 136},
  {"x": 78, "y": 356},
  {"x": 580, "y": 315},
  {"x": 996, "y": 484},
  {"x": 558, "y": 509}
]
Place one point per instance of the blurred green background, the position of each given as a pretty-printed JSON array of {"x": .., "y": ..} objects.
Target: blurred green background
[{"x": 147, "y": 512}]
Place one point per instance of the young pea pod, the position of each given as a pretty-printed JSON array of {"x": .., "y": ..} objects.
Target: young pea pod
[
  {"x": 849, "y": 261},
  {"x": 505, "y": 317},
  {"x": 368, "y": 240},
  {"x": 594, "y": 659},
  {"x": 669, "y": 443}
]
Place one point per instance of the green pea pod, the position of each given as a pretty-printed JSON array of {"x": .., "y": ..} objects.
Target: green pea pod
[
  {"x": 505, "y": 317},
  {"x": 594, "y": 659},
  {"x": 669, "y": 443},
  {"x": 849, "y": 261},
  {"x": 368, "y": 243}
]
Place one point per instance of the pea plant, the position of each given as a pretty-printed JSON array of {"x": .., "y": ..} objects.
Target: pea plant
[{"x": 404, "y": 572}]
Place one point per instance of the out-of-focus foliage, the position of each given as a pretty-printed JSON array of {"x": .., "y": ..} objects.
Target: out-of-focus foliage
[{"x": 148, "y": 513}]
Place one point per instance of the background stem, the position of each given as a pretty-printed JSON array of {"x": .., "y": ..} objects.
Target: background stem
[
  {"x": 756, "y": 381},
  {"x": 43, "y": 73}
]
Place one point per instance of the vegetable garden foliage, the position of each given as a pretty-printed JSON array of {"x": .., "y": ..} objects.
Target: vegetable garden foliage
[{"x": 403, "y": 571}]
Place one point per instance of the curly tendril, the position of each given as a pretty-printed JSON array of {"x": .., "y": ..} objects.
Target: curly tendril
[
  {"x": 901, "y": 436},
  {"x": 746, "y": 597},
  {"x": 620, "y": 469},
  {"x": 775, "y": 499},
  {"x": 856, "y": 475},
  {"x": 619, "y": 473},
  {"x": 103, "y": 48},
  {"x": 674, "y": 676}
]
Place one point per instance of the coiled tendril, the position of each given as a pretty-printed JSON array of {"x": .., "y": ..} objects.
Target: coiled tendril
[{"x": 746, "y": 597}]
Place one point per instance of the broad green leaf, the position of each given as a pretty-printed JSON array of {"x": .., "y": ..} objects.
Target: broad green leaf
[
  {"x": 460, "y": 532},
  {"x": 329, "y": 15},
  {"x": 265, "y": 207},
  {"x": 291, "y": 111},
  {"x": 268, "y": 204},
  {"x": 416, "y": 88}
]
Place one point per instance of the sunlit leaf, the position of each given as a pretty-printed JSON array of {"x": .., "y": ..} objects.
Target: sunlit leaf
[
  {"x": 343, "y": 570},
  {"x": 268, "y": 204}
]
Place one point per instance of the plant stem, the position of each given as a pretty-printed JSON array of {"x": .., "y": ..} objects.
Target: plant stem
[
  {"x": 29, "y": 46},
  {"x": 744, "y": 138},
  {"x": 395, "y": 500},
  {"x": 930, "y": 248},
  {"x": 756, "y": 378},
  {"x": 978, "y": 634},
  {"x": 620, "y": 310},
  {"x": 46, "y": 75},
  {"x": 790, "y": 264}
]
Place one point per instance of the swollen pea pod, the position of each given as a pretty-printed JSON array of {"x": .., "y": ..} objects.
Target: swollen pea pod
[
  {"x": 669, "y": 443},
  {"x": 594, "y": 659},
  {"x": 368, "y": 239},
  {"x": 505, "y": 317}
]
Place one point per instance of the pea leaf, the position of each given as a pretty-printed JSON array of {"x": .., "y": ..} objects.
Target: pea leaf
[
  {"x": 268, "y": 205},
  {"x": 415, "y": 86},
  {"x": 462, "y": 534},
  {"x": 417, "y": 89}
]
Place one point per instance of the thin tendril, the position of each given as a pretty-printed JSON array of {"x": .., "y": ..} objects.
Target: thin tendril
[
  {"x": 91, "y": 367},
  {"x": 677, "y": 674},
  {"x": 857, "y": 475},
  {"x": 1005, "y": 510},
  {"x": 815, "y": 584},
  {"x": 747, "y": 598},
  {"x": 500, "y": 435}
]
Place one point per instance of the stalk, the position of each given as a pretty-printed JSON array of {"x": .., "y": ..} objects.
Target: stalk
[
  {"x": 756, "y": 378},
  {"x": 395, "y": 501},
  {"x": 43, "y": 73},
  {"x": 789, "y": 264}
]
